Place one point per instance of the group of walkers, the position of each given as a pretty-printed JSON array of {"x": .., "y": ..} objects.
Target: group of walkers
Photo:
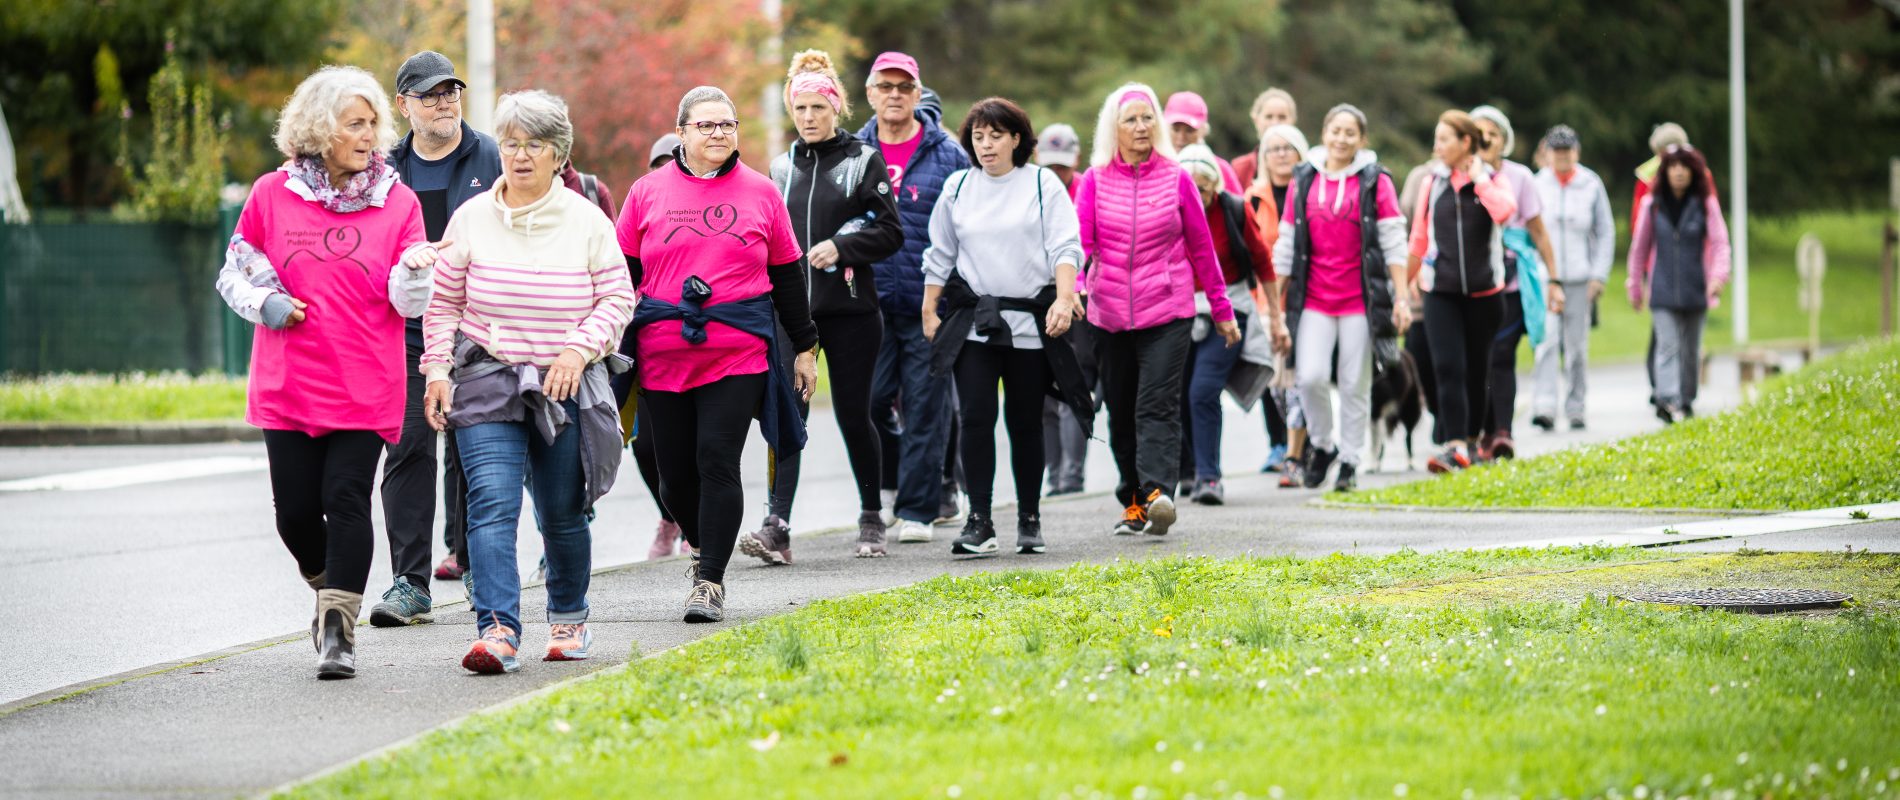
[{"x": 483, "y": 287}]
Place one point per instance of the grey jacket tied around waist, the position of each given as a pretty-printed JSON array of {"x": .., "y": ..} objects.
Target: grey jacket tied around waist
[{"x": 487, "y": 390}]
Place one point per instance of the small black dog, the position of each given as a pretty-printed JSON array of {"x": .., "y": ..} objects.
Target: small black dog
[{"x": 1397, "y": 398}]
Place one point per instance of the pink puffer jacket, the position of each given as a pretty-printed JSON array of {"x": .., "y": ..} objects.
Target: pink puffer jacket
[{"x": 1146, "y": 234}]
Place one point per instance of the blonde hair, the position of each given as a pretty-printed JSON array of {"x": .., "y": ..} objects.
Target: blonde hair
[
  {"x": 817, "y": 61},
  {"x": 1102, "y": 150},
  {"x": 1292, "y": 108},
  {"x": 307, "y": 124}
]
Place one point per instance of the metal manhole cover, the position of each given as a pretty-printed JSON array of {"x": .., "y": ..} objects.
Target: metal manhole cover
[{"x": 1754, "y": 601}]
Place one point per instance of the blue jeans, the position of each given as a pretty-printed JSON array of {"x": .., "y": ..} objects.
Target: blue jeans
[
  {"x": 903, "y": 373},
  {"x": 497, "y": 457},
  {"x": 1209, "y": 363}
]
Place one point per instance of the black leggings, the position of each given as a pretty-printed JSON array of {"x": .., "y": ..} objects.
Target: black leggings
[
  {"x": 698, "y": 436},
  {"x": 643, "y": 458},
  {"x": 321, "y": 487},
  {"x": 1459, "y": 331},
  {"x": 1416, "y": 343},
  {"x": 850, "y": 348},
  {"x": 1024, "y": 375},
  {"x": 1501, "y": 399}
]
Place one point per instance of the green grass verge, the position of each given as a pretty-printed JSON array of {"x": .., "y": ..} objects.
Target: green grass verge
[
  {"x": 1220, "y": 678},
  {"x": 138, "y": 397},
  {"x": 1851, "y": 289},
  {"x": 1822, "y": 437}
]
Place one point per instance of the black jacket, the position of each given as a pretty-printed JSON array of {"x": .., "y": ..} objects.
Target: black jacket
[
  {"x": 827, "y": 185},
  {"x": 476, "y": 169},
  {"x": 964, "y": 309},
  {"x": 1374, "y": 283}
]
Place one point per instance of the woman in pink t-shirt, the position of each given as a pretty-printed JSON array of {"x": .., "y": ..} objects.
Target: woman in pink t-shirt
[
  {"x": 712, "y": 252},
  {"x": 327, "y": 260}
]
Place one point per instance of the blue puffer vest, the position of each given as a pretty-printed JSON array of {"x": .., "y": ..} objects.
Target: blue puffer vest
[{"x": 900, "y": 278}]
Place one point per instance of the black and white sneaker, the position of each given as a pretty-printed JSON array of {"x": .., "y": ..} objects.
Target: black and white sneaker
[
  {"x": 1345, "y": 482},
  {"x": 978, "y": 537},
  {"x": 1029, "y": 534},
  {"x": 1318, "y": 464},
  {"x": 1545, "y": 422}
]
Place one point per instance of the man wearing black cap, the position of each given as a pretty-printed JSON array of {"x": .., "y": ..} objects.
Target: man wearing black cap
[{"x": 445, "y": 162}]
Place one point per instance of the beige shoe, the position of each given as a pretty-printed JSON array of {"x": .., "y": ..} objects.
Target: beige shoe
[{"x": 335, "y": 633}]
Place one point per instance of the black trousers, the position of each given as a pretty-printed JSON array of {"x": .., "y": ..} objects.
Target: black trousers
[
  {"x": 1501, "y": 399},
  {"x": 409, "y": 486},
  {"x": 644, "y": 460},
  {"x": 1024, "y": 375},
  {"x": 698, "y": 437},
  {"x": 321, "y": 486},
  {"x": 1459, "y": 331},
  {"x": 1141, "y": 385},
  {"x": 850, "y": 348},
  {"x": 1417, "y": 342}
]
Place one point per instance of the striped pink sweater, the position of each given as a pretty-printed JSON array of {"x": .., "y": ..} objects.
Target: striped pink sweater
[{"x": 525, "y": 283}]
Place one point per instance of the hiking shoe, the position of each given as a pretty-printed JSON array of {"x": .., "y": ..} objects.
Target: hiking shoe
[
  {"x": 1293, "y": 476},
  {"x": 912, "y": 532},
  {"x": 1134, "y": 520},
  {"x": 1576, "y": 423},
  {"x": 1161, "y": 512},
  {"x": 948, "y": 511},
  {"x": 403, "y": 604},
  {"x": 707, "y": 603},
  {"x": 493, "y": 653},
  {"x": 1318, "y": 464},
  {"x": 1210, "y": 493},
  {"x": 1346, "y": 481},
  {"x": 569, "y": 641},
  {"x": 1502, "y": 447},
  {"x": 1664, "y": 413},
  {"x": 771, "y": 543},
  {"x": 666, "y": 540},
  {"x": 692, "y": 567},
  {"x": 468, "y": 586},
  {"x": 1029, "y": 534},
  {"x": 448, "y": 568},
  {"x": 1545, "y": 422},
  {"x": 1184, "y": 489},
  {"x": 1450, "y": 459},
  {"x": 871, "y": 535},
  {"x": 336, "y": 633},
  {"x": 978, "y": 537},
  {"x": 1275, "y": 458}
]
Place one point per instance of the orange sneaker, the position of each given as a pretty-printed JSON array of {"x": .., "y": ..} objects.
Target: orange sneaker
[
  {"x": 494, "y": 653},
  {"x": 569, "y": 641},
  {"x": 1134, "y": 520}
]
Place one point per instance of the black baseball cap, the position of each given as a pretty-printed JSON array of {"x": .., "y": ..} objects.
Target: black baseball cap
[
  {"x": 1561, "y": 138},
  {"x": 424, "y": 71}
]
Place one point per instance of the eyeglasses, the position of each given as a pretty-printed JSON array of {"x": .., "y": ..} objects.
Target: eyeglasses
[
  {"x": 886, "y": 87},
  {"x": 535, "y": 147},
  {"x": 706, "y": 127},
  {"x": 1144, "y": 121},
  {"x": 429, "y": 99},
  {"x": 1281, "y": 150}
]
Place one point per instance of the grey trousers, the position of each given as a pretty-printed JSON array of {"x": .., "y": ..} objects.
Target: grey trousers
[
  {"x": 1678, "y": 354},
  {"x": 1065, "y": 447},
  {"x": 1566, "y": 340}
]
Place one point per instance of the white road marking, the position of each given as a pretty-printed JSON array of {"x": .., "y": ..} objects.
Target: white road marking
[
  {"x": 1686, "y": 532},
  {"x": 116, "y": 477}
]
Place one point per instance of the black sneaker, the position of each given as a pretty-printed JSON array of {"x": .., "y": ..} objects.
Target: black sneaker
[
  {"x": 1664, "y": 413},
  {"x": 1029, "y": 534},
  {"x": 978, "y": 537},
  {"x": 1322, "y": 460},
  {"x": 1345, "y": 481},
  {"x": 1544, "y": 422},
  {"x": 1576, "y": 423}
]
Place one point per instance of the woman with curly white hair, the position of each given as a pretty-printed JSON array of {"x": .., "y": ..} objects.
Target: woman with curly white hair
[{"x": 327, "y": 259}]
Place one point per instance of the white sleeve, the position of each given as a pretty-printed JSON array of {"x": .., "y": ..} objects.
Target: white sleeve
[
  {"x": 241, "y": 262},
  {"x": 1392, "y": 240},
  {"x": 940, "y": 258},
  {"x": 1061, "y": 231},
  {"x": 1602, "y": 237},
  {"x": 409, "y": 289}
]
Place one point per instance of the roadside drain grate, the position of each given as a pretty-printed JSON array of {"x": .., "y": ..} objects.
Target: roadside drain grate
[{"x": 1752, "y": 601}]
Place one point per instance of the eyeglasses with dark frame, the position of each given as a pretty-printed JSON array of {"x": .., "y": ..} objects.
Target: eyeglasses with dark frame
[
  {"x": 707, "y": 126},
  {"x": 452, "y": 94}
]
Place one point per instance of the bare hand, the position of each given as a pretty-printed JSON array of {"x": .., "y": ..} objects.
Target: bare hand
[
  {"x": 435, "y": 405},
  {"x": 1228, "y": 331},
  {"x": 823, "y": 255},
  {"x": 423, "y": 256},
  {"x": 1061, "y": 313},
  {"x": 1596, "y": 290},
  {"x": 931, "y": 321},
  {"x": 1402, "y": 316},
  {"x": 298, "y": 315},
  {"x": 564, "y": 377},
  {"x": 1282, "y": 338},
  {"x": 805, "y": 374},
  {"x": 1555, "y": 299}
]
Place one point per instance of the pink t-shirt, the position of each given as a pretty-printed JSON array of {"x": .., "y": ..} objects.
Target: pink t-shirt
[
  {"x": 726, "y": 230},
  {"x": 1334, "y": 285},
  {"x": 897, "y": 157},
  {"x": 342, "y": 368}
]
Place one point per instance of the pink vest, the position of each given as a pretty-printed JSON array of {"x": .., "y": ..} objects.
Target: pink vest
[{"x": 1137, "y": 223}]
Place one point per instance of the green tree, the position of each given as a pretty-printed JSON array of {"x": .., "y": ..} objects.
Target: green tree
[{"x": 179, "y": 178}]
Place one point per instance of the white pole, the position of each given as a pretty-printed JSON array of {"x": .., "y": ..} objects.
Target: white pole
[
  {"x": 478, "y": 106},
  {"x": 771, "y": 108},
  {"x": 1738, "y": 171}
]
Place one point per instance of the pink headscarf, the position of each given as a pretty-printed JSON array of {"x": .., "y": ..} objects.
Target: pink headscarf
[{"x": 818, "y": 84}]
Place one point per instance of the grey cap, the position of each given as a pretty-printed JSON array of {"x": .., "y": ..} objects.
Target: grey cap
[
  {"x": 1561, "y": 138},
  {"x": 662, "y": 149},
  {"x": 424, "y": 71}
]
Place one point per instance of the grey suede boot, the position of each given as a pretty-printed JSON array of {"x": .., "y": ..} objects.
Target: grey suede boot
[{"x": 336, "y": 633}]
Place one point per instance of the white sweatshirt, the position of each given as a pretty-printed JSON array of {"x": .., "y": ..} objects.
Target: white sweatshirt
[{"x": 992, "y": 232}]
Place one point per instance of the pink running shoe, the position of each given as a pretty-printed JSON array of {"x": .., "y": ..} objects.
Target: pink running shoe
[{"x": 666, "y": 541}]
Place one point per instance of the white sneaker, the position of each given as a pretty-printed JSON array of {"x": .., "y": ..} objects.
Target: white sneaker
[
  {"x": 909, "y": 532},
  {"x": 889, "y": 497}
]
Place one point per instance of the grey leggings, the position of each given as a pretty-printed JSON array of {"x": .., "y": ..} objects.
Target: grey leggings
[{"x": 1678, "y": 354}]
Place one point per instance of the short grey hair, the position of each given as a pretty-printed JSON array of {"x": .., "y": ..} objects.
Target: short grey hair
[
  {"x": 539, "y": 115},
  {"x": 308, "y": 121},
  {"x": 702, "y": 94}
]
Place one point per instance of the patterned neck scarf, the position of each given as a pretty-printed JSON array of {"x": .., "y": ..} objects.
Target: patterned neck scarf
[{"x": 356, "y": 194}]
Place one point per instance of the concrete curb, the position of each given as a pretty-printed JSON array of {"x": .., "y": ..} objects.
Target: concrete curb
[
  {"x": 45, "y": 434},
  {"x": 1335, "y": 505}
]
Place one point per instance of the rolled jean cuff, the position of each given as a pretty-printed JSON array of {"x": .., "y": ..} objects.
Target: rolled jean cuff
[{"x": 567, "y": 617}]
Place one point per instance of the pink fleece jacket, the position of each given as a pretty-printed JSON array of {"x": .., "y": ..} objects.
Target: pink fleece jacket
[
  {"x": 1146, "y": 233},
  {"x": 1715, "y": 250}
]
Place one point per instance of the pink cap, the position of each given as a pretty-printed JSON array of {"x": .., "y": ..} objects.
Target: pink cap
[
  {"x": 897, "y": 61},
  {"x": 1186, "y": 107}
]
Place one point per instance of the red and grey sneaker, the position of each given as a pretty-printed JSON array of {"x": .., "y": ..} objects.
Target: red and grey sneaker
[
  {"x": 569, "y": 641},
  {"x": 1450, "y": 459},
  {"x": 1502, "y": 447},
  {"x": 494, "y": 653}
]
